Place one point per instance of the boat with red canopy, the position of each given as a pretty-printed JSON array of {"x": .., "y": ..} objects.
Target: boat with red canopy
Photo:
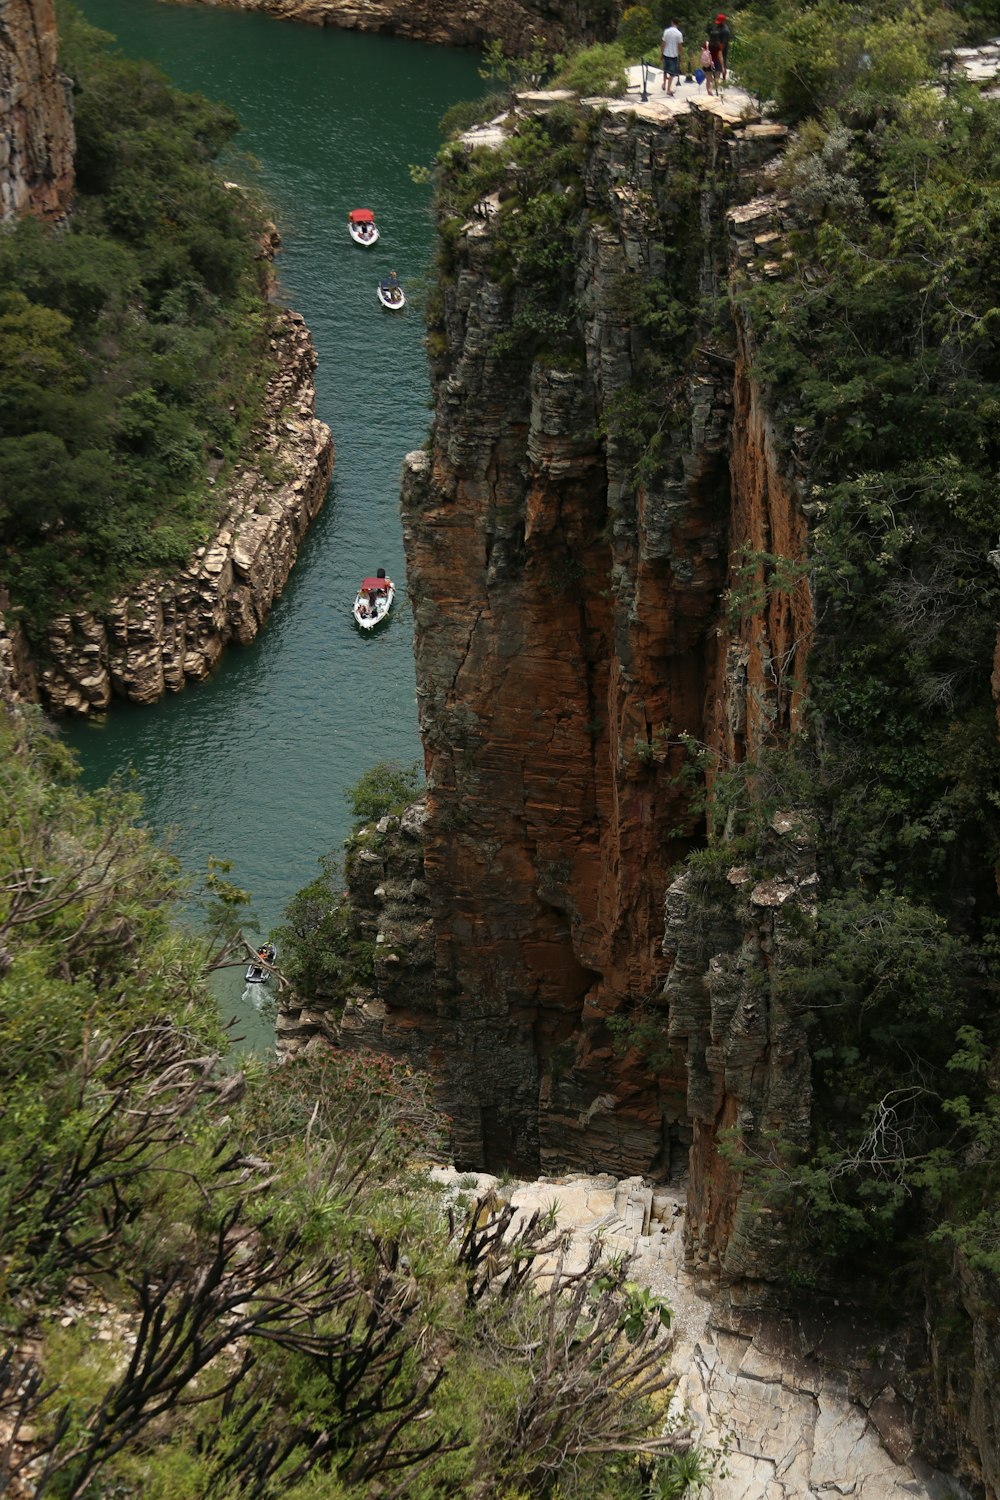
[
  {"x": 361, "y": 226},
  {"x": 373, "y": 600}
]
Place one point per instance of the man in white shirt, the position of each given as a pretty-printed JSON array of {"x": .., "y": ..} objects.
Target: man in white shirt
[{"x": 670, "y": 45}]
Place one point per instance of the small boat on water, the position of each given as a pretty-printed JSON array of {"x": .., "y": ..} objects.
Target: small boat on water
[
  {"x": 361, "y": 226},
  {"x": 390, "y": 293},
  {"x": 374, "y": 600},
  {"x": 259, "y": 967}
]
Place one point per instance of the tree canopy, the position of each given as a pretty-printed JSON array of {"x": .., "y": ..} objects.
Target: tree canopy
[{"x": 133, "y": 340}]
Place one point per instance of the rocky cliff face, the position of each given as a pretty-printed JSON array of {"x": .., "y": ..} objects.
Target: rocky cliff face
[
  {"x": 169, "y": 631},
  {"x": 573, "y": 644},
  {"x": 516, "y": 24},
  {"x": 36, "y": 117},
  {"x": 601, "y": 650}
]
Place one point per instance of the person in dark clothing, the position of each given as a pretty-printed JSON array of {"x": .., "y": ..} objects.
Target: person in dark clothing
[
  {"x": 715, "y": 52},
  {"x": 724, "y": 36}
]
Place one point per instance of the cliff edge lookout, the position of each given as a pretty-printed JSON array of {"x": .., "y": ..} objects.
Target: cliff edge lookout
[{"x": 732, "y": 104}]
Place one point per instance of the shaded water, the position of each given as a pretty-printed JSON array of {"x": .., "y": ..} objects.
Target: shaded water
[{"x": 252, "y": 765}]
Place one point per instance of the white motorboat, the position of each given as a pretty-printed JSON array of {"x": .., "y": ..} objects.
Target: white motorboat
[
  {"x": 390, "y": 293},
  {"x": 374, "y": 600},
  {"x": 361, "y": 226}
]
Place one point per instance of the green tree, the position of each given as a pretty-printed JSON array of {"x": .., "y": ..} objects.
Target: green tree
[
  {"x": 132, "y": 342},
  {"x": 384, "y": 788}
]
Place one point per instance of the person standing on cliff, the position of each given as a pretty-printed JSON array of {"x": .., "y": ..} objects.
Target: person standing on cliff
[
  {"x": 725, "y": 37},
  {"x": 670, "y": 45},
  {"x": 707, "y": 67}
]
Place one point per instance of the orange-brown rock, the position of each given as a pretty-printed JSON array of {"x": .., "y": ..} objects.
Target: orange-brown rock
[
  {"x": 573, "y": 624},
  {"x": 36, "y": 116},
  {"x": 568, "y": 652}
]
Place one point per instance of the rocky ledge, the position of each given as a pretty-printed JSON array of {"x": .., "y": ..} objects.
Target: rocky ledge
[
  {"x": 151, "y": 641},
  {"x": 816, "y": 1406}
]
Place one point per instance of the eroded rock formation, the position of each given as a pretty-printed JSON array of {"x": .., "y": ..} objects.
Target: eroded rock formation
[
  {"x": 169, "y": 631},
  {"x": 817, "y": 1405},
  {"x": 574, "y": 642},
  {"x": 36, "y": 117}
]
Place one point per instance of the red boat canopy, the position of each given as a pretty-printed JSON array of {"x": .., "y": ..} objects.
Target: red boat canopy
[
  {"x": 361, "y": 216},
  {"x": 380, "y": 584}
]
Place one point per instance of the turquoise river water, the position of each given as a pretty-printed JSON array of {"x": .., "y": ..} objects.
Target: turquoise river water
[{"x": 253, "y": 764}]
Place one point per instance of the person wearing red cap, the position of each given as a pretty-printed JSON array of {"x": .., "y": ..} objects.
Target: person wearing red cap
[{"x": 724, "y": 35}]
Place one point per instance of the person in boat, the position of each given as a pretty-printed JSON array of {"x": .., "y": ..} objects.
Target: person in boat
[
  {"x": 373, "y": 600},
  {"x": 394, "y": 288}
]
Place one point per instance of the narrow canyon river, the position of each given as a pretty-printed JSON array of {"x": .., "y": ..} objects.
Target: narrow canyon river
[{"x": 252, "y": 766}]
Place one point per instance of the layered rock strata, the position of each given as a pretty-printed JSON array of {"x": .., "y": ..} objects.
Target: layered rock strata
[
  {"x": 571, "y": 649},
  {"x": 36, "y": 114},
  {"x": 516, "y": 24},
  {"x": 171, "y": 631},
  {"x": 580, "y": 631},
  {"x": 732, "y": 940}
]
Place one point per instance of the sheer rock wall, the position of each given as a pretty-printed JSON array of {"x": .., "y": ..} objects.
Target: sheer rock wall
[
  {"x": 570, "y": 632},
  {"x": 36, "y": 114},
  {"x": 571, "y": 627},
  {"x": 168, "y": 631}
]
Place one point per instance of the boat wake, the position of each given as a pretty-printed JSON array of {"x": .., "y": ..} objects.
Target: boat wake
[{"x": 255, "y": 995}]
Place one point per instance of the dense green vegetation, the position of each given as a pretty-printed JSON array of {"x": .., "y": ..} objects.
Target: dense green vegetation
[
  {"x": 879, "y": 346},
  {"x": 323, "y": 952},
  {"x": 133, "y": 343},
  {"x": 534, "y": 235},
  {"x": 217, "y": 1283},
  {"x": 803, "y": 57}
]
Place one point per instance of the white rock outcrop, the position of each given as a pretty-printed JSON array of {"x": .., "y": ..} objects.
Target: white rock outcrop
[{"x": 788, "y": 1425}]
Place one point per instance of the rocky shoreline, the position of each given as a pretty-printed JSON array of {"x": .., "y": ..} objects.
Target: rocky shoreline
[
  {"x": 167, "y": 632},
  {"x": 516, "y": 24}
]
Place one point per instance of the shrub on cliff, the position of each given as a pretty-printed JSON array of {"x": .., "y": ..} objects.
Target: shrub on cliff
[
  {"x": 383, "y": 788},
  {"x": 804, "y": 59},
  {"x": 535, "y": 174},
  {"x": 322, "y": 955},
  {"x": 226, "y": 1284},
  {"x": 598, "y": 71},
  {"x": 133, "y": 342}
]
